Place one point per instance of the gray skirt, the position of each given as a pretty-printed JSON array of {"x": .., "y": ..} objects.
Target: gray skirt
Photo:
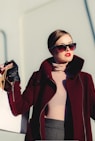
[{"x": 54, "y": 129}]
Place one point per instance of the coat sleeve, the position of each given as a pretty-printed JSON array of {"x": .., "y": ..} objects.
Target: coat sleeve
[
  {"x": 20, "y": 103},
  {"x": 91, "y": 91}
]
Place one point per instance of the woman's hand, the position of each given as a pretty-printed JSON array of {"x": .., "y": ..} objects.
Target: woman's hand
[{"x": 12, "y": 71}]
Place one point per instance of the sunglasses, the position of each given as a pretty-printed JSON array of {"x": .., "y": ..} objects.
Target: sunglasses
[{"x": 64, "y": 47}]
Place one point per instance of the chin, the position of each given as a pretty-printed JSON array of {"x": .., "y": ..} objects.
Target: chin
[{"x": 68, "y": 60}]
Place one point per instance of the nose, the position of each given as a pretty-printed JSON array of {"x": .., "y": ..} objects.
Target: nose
[{"x": 67, "y": 48}]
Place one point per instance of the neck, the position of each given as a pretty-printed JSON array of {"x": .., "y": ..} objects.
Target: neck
[{"x": 59, "y": 67}]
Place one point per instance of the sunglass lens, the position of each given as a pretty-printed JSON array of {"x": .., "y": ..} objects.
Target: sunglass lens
[
  {"x": 72, "y": 46},
  {"x": 61, "y": 48}
]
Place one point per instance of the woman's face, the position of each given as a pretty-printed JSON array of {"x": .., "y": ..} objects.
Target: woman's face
[{"x": 60, "y": 54}]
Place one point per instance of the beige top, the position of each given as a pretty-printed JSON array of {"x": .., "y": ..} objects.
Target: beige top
[{"x": 56, "y": 106}]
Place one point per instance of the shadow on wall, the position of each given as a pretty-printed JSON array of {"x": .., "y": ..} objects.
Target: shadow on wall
[
  {"x": 87, "y": 7},
  {"x": 3, "y": 47}
]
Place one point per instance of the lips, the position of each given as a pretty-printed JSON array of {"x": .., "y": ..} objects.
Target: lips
[{"x": 68, "y": 54}]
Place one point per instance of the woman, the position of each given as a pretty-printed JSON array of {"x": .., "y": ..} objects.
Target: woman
[{"x": 63, "y": 97}]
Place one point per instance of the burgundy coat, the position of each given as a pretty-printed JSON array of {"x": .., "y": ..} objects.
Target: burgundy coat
[{"x": 41, "y": 88}]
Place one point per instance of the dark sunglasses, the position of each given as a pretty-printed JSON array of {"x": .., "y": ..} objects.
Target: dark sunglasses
[{"x": 71, "y": 46}]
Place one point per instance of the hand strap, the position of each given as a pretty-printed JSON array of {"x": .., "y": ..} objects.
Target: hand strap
[{"x": 3, "y": 76}]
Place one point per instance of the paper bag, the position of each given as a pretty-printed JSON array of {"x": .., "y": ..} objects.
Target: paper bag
[{"x": 8, "y": 121}]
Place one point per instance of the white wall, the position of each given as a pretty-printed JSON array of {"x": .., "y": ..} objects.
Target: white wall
[{"x": 27, "y": 25}]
